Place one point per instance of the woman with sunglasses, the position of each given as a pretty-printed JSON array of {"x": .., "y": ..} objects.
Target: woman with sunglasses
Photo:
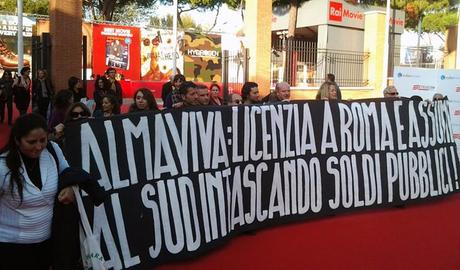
[
  {"x": 143, "y": 101},
  {"x": 214, "y": 98},
  {"x": 77, "y": 111},
  {"x": 110, "y": 107}
]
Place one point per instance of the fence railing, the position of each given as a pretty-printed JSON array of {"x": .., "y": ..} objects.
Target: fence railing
[
  {"x": 235, "y": 70},
  {"x": 301, "y": 63}
]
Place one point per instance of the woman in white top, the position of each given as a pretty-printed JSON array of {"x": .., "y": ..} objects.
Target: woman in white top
[{"x": 28, "y": 187}]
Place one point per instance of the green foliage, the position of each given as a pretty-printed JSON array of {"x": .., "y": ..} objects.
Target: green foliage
[
  {"x": 436, "y": 15},
  {"x": 30, "y": 6}
]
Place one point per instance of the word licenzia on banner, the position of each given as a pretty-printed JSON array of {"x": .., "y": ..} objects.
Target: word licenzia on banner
[{"x": 182, "y": 182}]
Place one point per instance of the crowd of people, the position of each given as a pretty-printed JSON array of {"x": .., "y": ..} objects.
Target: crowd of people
[{"x": 32, "y": 162}]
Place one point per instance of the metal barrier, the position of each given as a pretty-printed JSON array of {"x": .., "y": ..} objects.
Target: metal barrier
[
  {"x": 301, "y": 63},
  {"x": 235, "y": 70}
]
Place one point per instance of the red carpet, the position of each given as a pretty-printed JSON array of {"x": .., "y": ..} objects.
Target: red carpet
[{"x": 423, "y": 237}]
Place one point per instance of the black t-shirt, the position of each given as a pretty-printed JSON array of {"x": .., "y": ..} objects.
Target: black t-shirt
[{"x": 33, "y": 170}]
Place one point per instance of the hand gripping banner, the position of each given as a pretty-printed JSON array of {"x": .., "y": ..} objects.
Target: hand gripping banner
[{"x": 182, "y": 182}]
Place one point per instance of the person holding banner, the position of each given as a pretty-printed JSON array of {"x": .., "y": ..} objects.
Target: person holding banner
[
  {"x": 390, "y": 92},
  {"x": 110, "y": 107},
  {"x": 327, "y": 91},
  {"x": 143, "y": 101},
  {"x": 250, "y": 93},
  {"x": 189, "y": 95},
  {"x": 282, "y": 93},
  {"x": 28, "y": 189}
]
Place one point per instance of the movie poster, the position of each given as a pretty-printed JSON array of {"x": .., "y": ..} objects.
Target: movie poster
[
  {"x": 118, "y": 47},
  {"x": 157, "y": 51},
  {"x": 9, "y": 45},
  {"x": 202, "y": 57}
]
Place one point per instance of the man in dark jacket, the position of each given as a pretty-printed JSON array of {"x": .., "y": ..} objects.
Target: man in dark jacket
[
  {"x": 42, "y": 93},
  {"x": 115, "y": 85}
]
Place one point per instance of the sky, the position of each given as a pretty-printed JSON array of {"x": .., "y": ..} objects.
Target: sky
[{"x": 229, "y": 21}]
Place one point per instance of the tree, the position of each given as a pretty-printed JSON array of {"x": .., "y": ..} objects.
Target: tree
[
  {"x": 106, "y": 9},
  {"x": 201, "y": 5},
  {"x": 30, "y": 6},
  {"x": 435, "y": 15}
]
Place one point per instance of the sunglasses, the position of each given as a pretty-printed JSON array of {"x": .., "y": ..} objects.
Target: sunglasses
[
  {"x": 78, "y": 114},
  {"x": 393, "y": 94},
  {"x": 238, "y": 101}
]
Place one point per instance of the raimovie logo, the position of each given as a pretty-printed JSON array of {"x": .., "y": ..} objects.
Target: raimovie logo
[{"x": 335, "y": 11}]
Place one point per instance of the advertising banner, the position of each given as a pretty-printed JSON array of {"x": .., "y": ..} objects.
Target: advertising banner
[
  {"x": 183, "y": 182},
  {"x": 202, "y": 57},
  {"x": 157, "y": 50},
  {"x": 427, "y": 82},
  {"x": 9, "y": 45},
  {"x": 118, "y": 47}
]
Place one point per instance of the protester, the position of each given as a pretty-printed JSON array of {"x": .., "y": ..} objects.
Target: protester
[
  {"x": 188, "y": 94},
  {"x": 101, "y": 88},
  {"x": 6, "y": 96},
  {"x": 28, "y": 188},
  {"x": 62, "y": 101},
  {"x": 282, "y": 93},
  {"x": 235, "y": 99},
  {"x": 76, "y": 111},
  {"x": 327, "y": 91},
  {"x": 390, "y": 92},
  {"x": 174, "y": 98},
  {"x": 250, "y": 93},
  {"x": 143, "y": 101},
  {"x": 438, "y": 96},
  {"x": 214, "y": 98},
  {"x": 203, "y": 94},
  {"x": 21, "y": 91},
  {"x": 167, "y": 88},
  {"x": 115, "y": 85},
  {"x": 42, "y": 93},
  {"x": 75, "y": 87},
  {"x": 331, "y": 78},
  {"x": 110, "y": 107}
]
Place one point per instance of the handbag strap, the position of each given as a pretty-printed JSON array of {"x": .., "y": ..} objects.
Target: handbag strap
[{"x": 81, "y": 210}]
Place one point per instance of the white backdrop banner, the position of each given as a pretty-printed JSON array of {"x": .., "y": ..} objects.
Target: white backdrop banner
[{"x": 427, "y": 82}]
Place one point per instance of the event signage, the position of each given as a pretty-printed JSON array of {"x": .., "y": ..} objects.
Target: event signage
[
  {"x": 202, "y": 57},
  {"x": 426, "y": 83},
  {"x": 118, "y": 47},
  {"x": 182, "y": 182},
  {"x": 8, "y": 42},
  {"x": 157, "y": 52}
]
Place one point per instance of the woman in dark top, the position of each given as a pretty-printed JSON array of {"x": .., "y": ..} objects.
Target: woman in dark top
[
  {"x": 6, "y": 96},
  {"x": 214, "y": 98},
  {"x": 76, "y": 88},
  {"x": 21, "y": 91},
  {"x": 110, "y": 107},
  {"x": 101, "y": 88},
  {"x": 143, "y": 101},
  {"x": 62, "y": 102}
]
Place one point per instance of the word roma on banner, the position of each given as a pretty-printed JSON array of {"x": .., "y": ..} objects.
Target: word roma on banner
[{"x": 183, "y": 181}]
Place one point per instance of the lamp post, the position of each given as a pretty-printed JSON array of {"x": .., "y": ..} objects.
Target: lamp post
[
  {"x": 385, "y": 47},
  {"x": 20, "y": 37},
  {"x": 175, "y": 36}
]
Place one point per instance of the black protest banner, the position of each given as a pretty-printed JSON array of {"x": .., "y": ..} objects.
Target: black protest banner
[{"x": 182, "y": 182}]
